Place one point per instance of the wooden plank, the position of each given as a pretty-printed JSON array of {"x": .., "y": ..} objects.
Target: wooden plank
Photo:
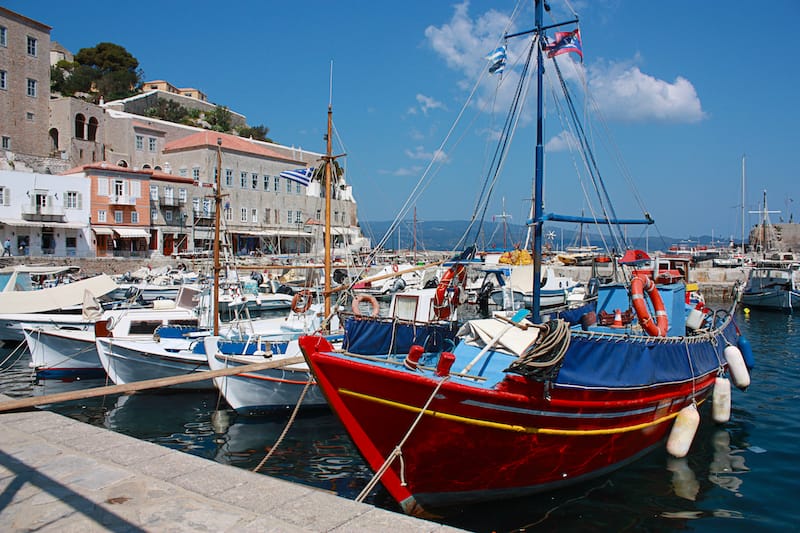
[{"x": 24, "y": 403}]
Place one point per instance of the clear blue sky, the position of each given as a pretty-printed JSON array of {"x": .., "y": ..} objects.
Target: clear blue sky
[{"x": 706, "y": 82}]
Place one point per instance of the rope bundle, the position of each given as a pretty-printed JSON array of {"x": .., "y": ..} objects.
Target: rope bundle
[{"x": 543, "y": 360}]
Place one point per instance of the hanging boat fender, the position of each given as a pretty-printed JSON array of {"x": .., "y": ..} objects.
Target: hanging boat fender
[
  {"x": 736, "y": 367},
  {"x": 639, "y": 285},
  {"x": 683, "y": 431},
  {"x": 747, "y": 352},
  {"x": 721, "y": 401}
]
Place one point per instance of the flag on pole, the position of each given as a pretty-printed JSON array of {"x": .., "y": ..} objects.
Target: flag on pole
[
  {"x": 300, "y": 175},
  {"x": 498, "y": 58},
  {"x": 565, "y": 42}
]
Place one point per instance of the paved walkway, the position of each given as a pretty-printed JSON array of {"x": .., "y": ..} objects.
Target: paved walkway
[{"x": 58, "y": 474}]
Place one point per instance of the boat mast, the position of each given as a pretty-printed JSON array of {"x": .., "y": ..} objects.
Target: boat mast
[
  {"x": 328, "y": 163},
  {"x": 217, "y": 267},
  {"x": 538, "y": 204},
  {"x": 743, "y": 177}
]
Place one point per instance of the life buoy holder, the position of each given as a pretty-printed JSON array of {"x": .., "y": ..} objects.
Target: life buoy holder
[
  {"x": 365, "y": 298},
  {"x": 301, "y": 301},
  {"x": 659, "y": 327},
  {"x": 448, "y": 292}
]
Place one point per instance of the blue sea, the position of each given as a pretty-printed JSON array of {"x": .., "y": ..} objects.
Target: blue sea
[{"x": 740, "y": 476}]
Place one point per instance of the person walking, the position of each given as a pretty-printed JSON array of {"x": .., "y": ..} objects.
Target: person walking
[{"x": 7, "y": 247}]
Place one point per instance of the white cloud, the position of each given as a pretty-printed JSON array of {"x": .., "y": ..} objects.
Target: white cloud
[
  {"x": 419, "y": 153},
  {"x": 626, "y": 93},
  {"x": 426, "y": 103},
  {"x": 562, "y": 142}
]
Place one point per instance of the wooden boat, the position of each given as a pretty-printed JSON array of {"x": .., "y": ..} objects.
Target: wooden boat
[{"x": 522, "y": 406}]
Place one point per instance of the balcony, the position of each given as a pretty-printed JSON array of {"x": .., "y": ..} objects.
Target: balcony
[
  {"x": 121, "y": 199},
  {"x": 49, "y": 213},
  {"x": 171, "y": 201}
]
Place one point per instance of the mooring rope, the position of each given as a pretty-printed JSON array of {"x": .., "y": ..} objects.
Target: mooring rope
[
  {"x": 288, "y": 424},
  {"x": 397, "y": 451}
]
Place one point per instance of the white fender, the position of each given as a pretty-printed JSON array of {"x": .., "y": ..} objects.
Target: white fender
[
  {"x": 736, "y": 367},
  {"x": 683, "y": 430},
  {"x": 721, "y": 401}
]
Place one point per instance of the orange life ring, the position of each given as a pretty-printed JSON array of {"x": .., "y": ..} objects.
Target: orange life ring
[
  {"x": 448, "y": 292},
  {"x": 639, "y": 285},
  {"x": 365, "y": 298},
  {"x": 301, "y": 301}
]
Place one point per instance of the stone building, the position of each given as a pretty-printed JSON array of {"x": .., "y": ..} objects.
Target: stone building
[{"x": 24, "y": 84}]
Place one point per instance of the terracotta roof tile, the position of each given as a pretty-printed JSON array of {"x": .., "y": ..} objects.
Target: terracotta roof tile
[{"x": 208, "y": 139}]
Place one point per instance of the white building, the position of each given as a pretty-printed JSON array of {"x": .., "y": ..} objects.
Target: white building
[{"x": 44, "y": 214}]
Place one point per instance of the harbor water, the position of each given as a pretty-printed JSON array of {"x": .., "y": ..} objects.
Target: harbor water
[{"x": 739, "y": 476}]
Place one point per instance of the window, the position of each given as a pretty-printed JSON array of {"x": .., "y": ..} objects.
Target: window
[
  {"x": 3, "y": 79},
  {"x": 135, "y": 217},
  {"x": 6, "y": 143},
  {"x": 289, "y": 214},
  {"x": 227, "y": 212},
  {"x": 243, "y": 180},
  {"x": 196, "y": 173},
  {"x": 32, "y": 42},
  {"x": 32, "y": 85},
  {"x": 3, "y": 36},
  {"x": 167, "y": 216},
  {"x": 139, "y": 143},
  {"x": 196, "y": 205},
  {"x": 208, "y": 210},
  {"x": 169, "y": 195},
  {"x": 276, "y": 183},
  {"x": 151, "y": 144},
  {"x": 254, "y": 215},
  {"x": 298, "y": 217},
  {"x": 297, "y": 188},
  {"x": 119, "y": 187},
  {"x": 319, "y": 214},
  {"x": 254, "y": 178},
  {"x": 101, "y": 215},
  {"x": 4, "y": 196},
  {"x": 154, "y": 192},
  {"x": 72, "y": 200},
  {"x": 182, "y": 195},
  {"x": 153, "y": 214},
  {"x": 266, "y": 183},
  {"x": 243, "y": 217},
  {"x": 229, "y": 177},
  {"x": 183, "y": 172},
  {"x": 266, "y": 215},
  {"x": 119, "y": 217},
  {"x": 29, "y": 116},
  {"x": 289, "y": 186}
]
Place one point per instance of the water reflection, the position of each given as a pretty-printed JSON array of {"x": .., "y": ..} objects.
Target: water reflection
[{"x": 726, "y": 463}]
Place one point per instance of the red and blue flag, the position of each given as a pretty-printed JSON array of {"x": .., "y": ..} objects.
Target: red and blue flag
[{"x": 565, "y": 42}]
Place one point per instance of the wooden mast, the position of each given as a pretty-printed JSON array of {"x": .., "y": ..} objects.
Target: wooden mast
[
  {"x": 327, "y": 238},
  {"x": 217, "y": 267}
]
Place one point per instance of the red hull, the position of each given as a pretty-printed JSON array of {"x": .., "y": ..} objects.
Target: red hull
[{"x": 478, "y": 444}]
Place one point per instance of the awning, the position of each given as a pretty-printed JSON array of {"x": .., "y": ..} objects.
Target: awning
[
  {"x": 287, "y": 233},
  {"x": 103, "y": 231},
  {"x": 39, "y": 224},
  {"x": 132, "y": 233},
  {"x": 344, "y": 231},
  {"x": 202, "y": 234}
]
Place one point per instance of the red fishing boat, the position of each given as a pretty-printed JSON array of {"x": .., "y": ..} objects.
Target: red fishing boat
[{"x": 519, "y": 406}]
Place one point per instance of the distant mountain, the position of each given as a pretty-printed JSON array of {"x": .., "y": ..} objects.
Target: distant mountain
[{"x": 445, "y": 235}]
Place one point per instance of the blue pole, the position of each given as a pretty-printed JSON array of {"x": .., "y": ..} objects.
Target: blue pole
[{"x": 537, "y": 183}]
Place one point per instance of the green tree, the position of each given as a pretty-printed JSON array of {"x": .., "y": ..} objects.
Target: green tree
[
  {"x": 106, "y": 70},
  {"x": 219, "y": 119},
  {"x": 168, "y": 110},
  {"x": 256, "y": 132}
]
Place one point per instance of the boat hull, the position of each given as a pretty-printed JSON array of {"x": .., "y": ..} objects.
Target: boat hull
[
  {"x": 59, "y": 353},
  {"x": 260, "y": 392},
  {"x": 477, "y": 442},
  {"x": 132, "y": 361}
]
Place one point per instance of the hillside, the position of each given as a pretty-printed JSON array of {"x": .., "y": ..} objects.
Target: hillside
[{"x": 445, "y": 234}]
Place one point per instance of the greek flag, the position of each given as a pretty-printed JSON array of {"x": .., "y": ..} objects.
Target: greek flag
[
  {"x": 498, "y": 60},
  {"x": 300, "y": 175}
]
